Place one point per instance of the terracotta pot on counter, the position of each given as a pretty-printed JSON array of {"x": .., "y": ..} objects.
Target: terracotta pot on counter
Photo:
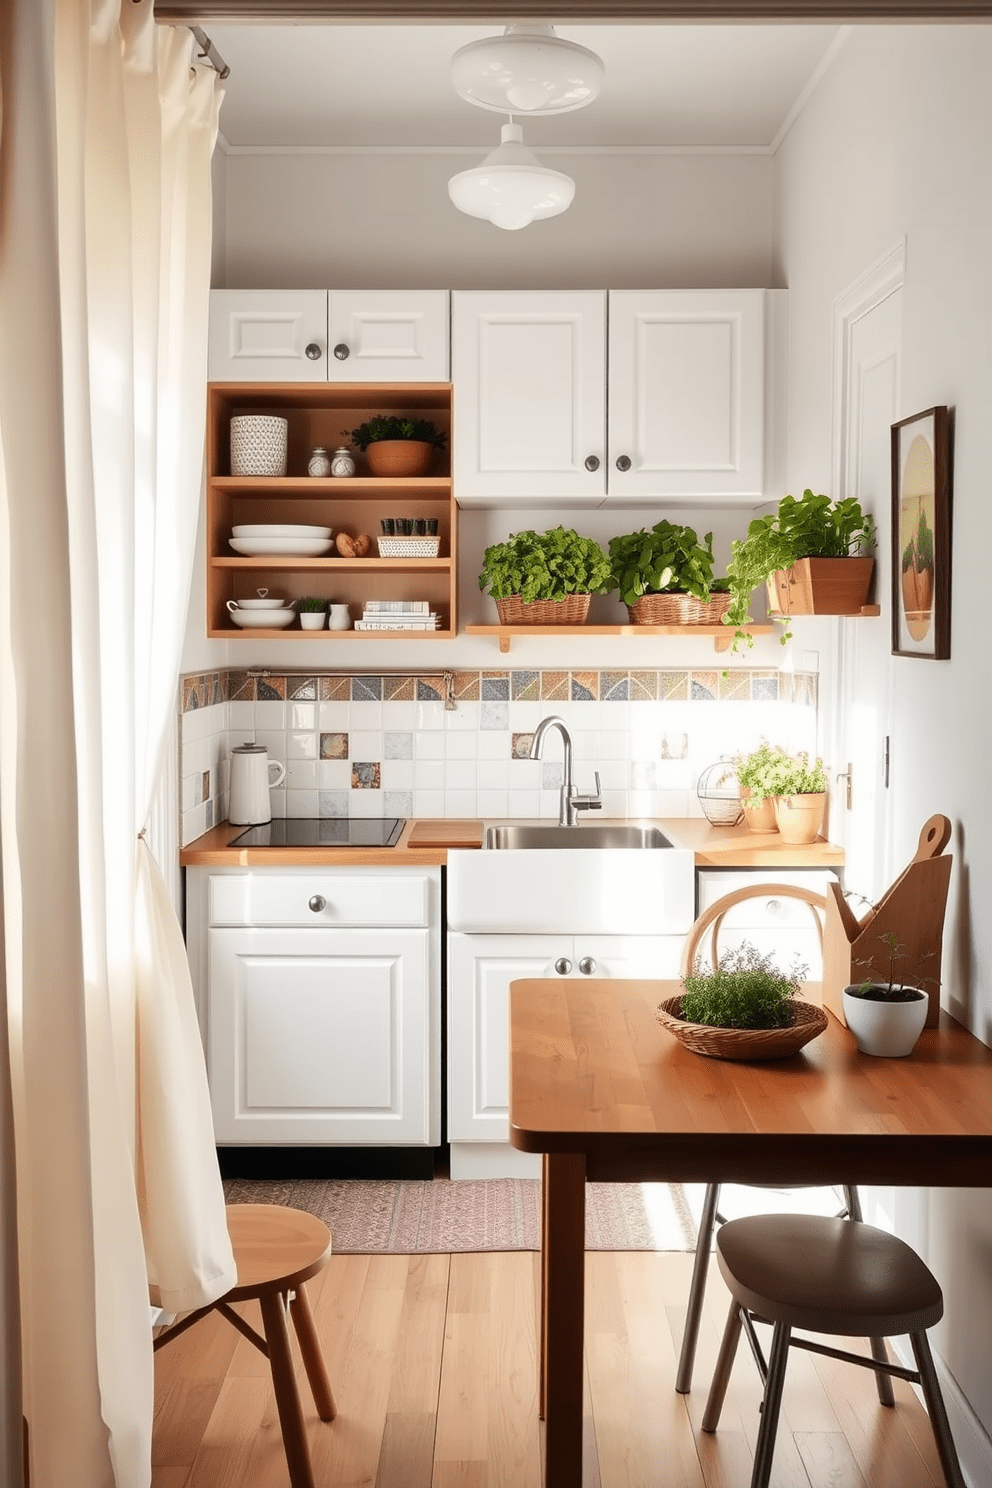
[
  {"x": 761, "y": 817},
  {"x": 799, "y": 818}
]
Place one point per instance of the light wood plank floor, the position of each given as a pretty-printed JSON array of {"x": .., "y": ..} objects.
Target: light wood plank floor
[{"x": 433, "y": 1364}]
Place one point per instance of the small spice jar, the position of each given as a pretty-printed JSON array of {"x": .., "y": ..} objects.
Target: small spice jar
[
  {"x": 343, "y": 462},
  {"x": 319, "y": 462}
]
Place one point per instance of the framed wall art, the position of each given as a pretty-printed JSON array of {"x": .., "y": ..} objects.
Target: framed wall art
[{"x": 921, "y": 536}]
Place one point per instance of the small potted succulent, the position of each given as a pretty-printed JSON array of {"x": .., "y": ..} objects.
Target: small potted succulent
[
  {"x": 665, "y": 576},
  {"x": 544, "y": 578},
  {"x": 887, "y": 1017},
  {"x": 397, "y": 446},
  {"x": 813, "y": 555},
  {"x": 312, "y": 612},
  {"x": 746, "y": 1007}
]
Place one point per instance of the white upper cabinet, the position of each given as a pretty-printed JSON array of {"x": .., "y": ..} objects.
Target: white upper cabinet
[
  {"x": 683, "y": 382},
  {"x": 387, "y": 335},
  {"x": 319, "y": 335},
  {"x": 529, "y": 373},
  {"x": 687, "y": 393}
]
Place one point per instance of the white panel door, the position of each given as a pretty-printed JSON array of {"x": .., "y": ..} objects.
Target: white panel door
[
  {"x": 529, "y": 370},
  {"x": 636, "y": 956},
  {"x": 686, "y": 394},
  {"x": 263, "y": 335},
  {"x": 321, "y": 1036},
  {"x": 387, "y": 335}
]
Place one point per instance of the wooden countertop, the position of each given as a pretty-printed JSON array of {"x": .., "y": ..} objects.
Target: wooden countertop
[{"x": 426, "y": 842}]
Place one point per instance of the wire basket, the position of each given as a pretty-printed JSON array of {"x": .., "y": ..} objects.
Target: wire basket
[
  {"x": 718, "y": 793},
  {"x": 572, "y": 610},
  {"x": 678, "y": 609},
  {"x": 808, "y": 1022}
]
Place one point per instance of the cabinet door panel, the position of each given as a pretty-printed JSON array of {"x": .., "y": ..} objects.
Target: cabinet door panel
[
  {"x": 686, "y": 393},
  {"x": 531, "y": 404},
  {"x": 388, "y": 335},
  {"x": 261, "y": 335},
  {"x": 319, "y": 1036},
  {"x": 642, "y": 956},
  {"x": 480, "y": 970}
]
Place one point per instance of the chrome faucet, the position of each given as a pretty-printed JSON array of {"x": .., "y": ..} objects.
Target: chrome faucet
[{"x": 571, "y": 802}]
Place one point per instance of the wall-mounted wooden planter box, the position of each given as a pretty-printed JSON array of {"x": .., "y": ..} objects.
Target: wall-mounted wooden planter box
[{"x": 822, "y": 586}]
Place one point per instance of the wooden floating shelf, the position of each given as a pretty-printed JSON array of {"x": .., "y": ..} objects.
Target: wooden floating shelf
[
  {"x": 865, "y": 612},
  {"x": 261, "y": 633},
  {"x": 325, "y": 487},
  {"x": 335, "y": 565},
  {"x": 722, "y": 635}
]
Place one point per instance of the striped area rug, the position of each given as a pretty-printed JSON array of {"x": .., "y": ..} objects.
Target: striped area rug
[{"x": 371, "y": 1217}]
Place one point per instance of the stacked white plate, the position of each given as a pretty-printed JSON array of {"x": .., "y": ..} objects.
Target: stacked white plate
[
  {"x": 280, "y": 539},
  {"x": 275, "y": 614}
]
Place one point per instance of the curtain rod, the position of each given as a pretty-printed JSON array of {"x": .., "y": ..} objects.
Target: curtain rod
[{"x": 210, "y": 52}]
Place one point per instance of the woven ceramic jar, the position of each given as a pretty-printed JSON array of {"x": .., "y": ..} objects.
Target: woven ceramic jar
[
  {"x": 799, "y": 818},
  {"x": 258, "y": 444}
]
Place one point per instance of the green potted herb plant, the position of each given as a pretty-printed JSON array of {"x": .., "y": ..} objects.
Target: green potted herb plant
[
  {"x": 544, "y": 578},
  {"x": 800, "y": 797},
  {"x": 757, "y": 780},
  {"x": 887, "y": 1017},
  {"x": 312, "y": 612},
  {"x": 746, "y": 1007},
  {"x": 398, "y": 446},
  {"x": 665, "y": 576},
  {"x": 812, "y": 554}
]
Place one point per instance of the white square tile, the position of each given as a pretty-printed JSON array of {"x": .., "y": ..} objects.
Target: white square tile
[
  {"x": 301, "y": 803},
  {"x": 398, "y": 744},
  {"x": 428, "y": 775},
  {"x": 333, "y": 802},
  {"x": 430, "y": 715},
  {"x": 365, "y": 803},
  {"x": 270, "y": 715},
  {"x": 301, "y": 775},
  {"x": 365, "y": 744},
  {"x": 641, "y": 803},
  {"x": 274, "y": 742},
  {"x": 613, "y": 744},
  {"x": 615, "y": 803},
  {"x": 495, "y": 775},
  {"x": 428, "y": 745},
  {"x": 301, "y": 746},
  {"x": 332, "y": 718},
  {"x": 494, "y": 746},
  {"x": 366, "y": 715},
  {"x": 462, "y": 746},
  {"x": 460, "y": 775},
  {"x": 612, "y": 774},
  {"x": 241, "y": 718},
  {"x": 428, "y": 803},
  {"x": 302, "y": 716},
  {"x": 494, "y": 803},
  {"x": 397, "y": 774},
  {"x": 460, "y": 803},
  {"x": 524, "y": 775},
  {"x": 399, "y": 715},
  {"x": 333, "y": 775},
  {"x": 525, "y": 803},
  {"x": 397, "y": 803},
  {"x": 464, "y": 719}
]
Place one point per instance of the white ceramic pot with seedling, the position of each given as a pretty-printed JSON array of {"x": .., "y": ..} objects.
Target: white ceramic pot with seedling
[
  {"x": 886, "y": 1017},
  {"x": 312, "y": 612}
]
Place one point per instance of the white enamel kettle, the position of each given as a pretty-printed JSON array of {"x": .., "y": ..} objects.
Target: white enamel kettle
[{"x": 251, "y": 780}]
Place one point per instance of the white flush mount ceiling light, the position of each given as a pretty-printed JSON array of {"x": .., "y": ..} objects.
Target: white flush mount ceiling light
[
  {"x": 527, "y": 70},
  {"x": 511, "y": 188}
]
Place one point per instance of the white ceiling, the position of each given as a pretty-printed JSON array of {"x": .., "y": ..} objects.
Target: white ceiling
[{"x": 676, "y": 86}]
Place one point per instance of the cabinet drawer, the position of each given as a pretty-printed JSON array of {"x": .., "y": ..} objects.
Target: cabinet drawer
[
  {"x": 320, "y": 898},
  {"x": 764, "y": 910}
]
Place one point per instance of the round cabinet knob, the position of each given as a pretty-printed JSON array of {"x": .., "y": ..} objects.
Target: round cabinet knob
[
  {"x": 342, "y": 352},
  {"x": 773, "y": 906},
  {"x": 623, "y": 462},
  {"x": 313, "y": 352},
  {"x": 592, "y": 462},
  {"x": 563, "y": 966},
  {"x": 587, "y": 966},
  {"x": 317, "y": 903}
]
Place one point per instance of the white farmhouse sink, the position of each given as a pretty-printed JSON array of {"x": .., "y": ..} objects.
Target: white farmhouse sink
[{"x": 550, "y": 887}]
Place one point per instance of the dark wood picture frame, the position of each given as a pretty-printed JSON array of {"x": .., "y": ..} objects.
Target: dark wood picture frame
[{"x": 921, "y": 536}]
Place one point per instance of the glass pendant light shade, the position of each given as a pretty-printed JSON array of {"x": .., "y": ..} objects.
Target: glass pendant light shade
[
  {"x": 527, "y": 70},
  {"x": 511, "y": 188}
]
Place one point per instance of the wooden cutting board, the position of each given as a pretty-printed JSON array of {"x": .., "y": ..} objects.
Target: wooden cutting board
[{"x": 446, "y": 834}]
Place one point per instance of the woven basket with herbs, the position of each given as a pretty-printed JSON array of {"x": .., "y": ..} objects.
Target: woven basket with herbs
[
  {"x": 544, "y": 578},
  {"x": 572, "y": 610},
  {"x": 678, "y": 609}
]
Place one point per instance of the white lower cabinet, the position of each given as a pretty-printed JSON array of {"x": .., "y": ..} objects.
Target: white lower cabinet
[
  {"x": 480, "y": 970},
  {"x": 321, "y": 1004}
]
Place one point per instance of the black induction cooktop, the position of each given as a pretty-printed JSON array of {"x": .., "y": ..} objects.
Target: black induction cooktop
[{"x": 323, "y": 831}]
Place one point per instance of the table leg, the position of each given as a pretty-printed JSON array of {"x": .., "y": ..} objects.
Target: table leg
[{"x": 563, "y": 1271}]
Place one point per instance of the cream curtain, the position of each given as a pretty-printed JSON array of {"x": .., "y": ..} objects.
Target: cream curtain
[{"x": 109, "y": 124}]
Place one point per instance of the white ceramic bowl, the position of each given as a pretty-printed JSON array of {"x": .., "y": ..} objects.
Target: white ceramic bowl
[
  {"x": 258, "y": 444},
  {"x": 263, "y": 619},
  {"x": 279, "y": 529},
  {"x": 256, "y": 604},
  {"x": 298, "y": 547}
]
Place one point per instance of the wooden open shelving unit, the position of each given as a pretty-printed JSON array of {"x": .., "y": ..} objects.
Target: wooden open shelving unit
[
  {"x": 722, "y": 635},
  {"x": 320, "y": 414}
]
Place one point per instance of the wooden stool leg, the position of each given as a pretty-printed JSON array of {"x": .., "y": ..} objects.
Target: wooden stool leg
[
  {"x": 312, "y": 1356},
  {"x": 939, "y": 1423},
  {"x": 697, "y": 1288},
  {"x": 294, "y": 1436},
  {"x": 724, "y": 1364}
]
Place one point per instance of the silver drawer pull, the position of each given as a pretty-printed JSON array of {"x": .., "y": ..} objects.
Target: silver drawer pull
[
  {"x": 773, "y": 906},
  {"x": 587, "y": 966},
  {"x": 317, "y": 903},
  {"x": 563, "y": 966}
]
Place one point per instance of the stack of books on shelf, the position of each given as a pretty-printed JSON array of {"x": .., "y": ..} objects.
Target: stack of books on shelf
[{"x": 398, "y": 614}]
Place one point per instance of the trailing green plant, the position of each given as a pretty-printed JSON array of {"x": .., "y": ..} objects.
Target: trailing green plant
[
  {"x": 891, "y": 990},
  {"x": 388, "y": 426},
  {"x": 310, "y": 605},
  {"x": 808, "y": 527},
  {"x": 668, "y": 559},
  {"x": 545, "y": 565},
  {"x": 744, "y": 990}
]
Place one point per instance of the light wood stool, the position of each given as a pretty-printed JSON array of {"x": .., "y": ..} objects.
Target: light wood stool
[
  {"x": 276, "y": 1250},
  {"x": 834, "y": 1276}
]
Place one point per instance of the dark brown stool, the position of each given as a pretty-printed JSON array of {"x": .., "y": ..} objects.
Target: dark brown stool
[
  {"x": 834, "y": 1276},
  {"x": 276, "y": 1250}
]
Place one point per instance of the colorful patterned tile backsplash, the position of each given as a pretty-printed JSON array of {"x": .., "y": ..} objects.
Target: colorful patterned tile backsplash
[{"x": 458, "y": 743}]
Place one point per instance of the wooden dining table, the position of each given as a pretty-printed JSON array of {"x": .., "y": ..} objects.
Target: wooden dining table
[{"x": 608, "y": 1095}]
